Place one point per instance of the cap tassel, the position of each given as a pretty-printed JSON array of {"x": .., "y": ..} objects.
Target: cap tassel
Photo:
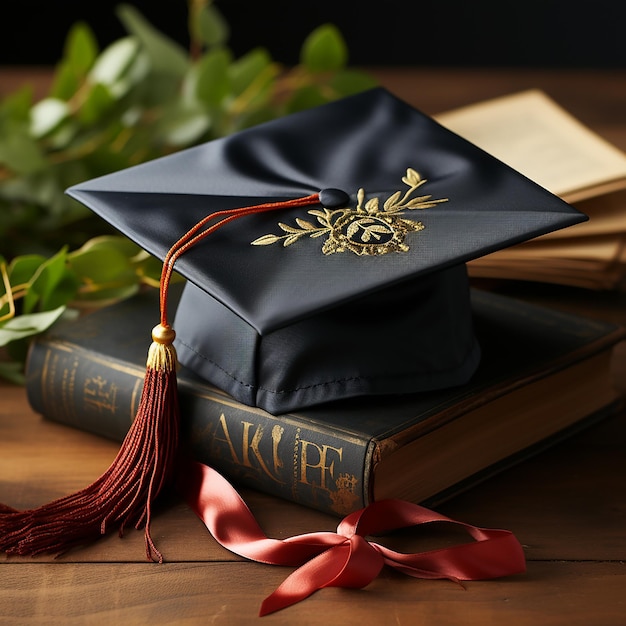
[{"x": 124, "y": 494}]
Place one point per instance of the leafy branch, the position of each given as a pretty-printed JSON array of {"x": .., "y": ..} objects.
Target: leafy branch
[
  {"x": 140, "y": 98},
  {"x": 36, "y": 291}
]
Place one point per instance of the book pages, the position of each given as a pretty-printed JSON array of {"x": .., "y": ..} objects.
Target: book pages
[{"x": 534, "y": 135}]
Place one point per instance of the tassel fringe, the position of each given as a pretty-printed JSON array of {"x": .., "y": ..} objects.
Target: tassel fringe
[{"x": 124, "y": 494}]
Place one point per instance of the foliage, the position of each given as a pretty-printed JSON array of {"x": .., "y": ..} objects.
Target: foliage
[
  {"x": 141, "y": 97},
  {"x": 36, "y": 291}
]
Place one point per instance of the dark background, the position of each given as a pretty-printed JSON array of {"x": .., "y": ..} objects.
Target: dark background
[{"x": 524, "y": 33}]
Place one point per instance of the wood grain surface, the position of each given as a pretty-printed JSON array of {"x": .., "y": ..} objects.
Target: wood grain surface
[{"x": 567, "y": 505}]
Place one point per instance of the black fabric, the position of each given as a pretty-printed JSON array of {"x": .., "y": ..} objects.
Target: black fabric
[
  {"x": 404, "y": 339},
  {"x": 286, "y": 327},
  {"x": 366, "y": 141}
]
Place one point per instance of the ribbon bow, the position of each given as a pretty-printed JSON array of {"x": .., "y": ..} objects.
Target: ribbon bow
[{"x": 344, "y": 558}]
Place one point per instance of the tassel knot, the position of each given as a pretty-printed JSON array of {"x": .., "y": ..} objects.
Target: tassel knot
[
  {"x": 162, "y": 354},
  {"x": 163, "y": 334}
]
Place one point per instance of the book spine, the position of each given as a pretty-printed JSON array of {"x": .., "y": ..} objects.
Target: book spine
[{"x": 286, "y": 456}]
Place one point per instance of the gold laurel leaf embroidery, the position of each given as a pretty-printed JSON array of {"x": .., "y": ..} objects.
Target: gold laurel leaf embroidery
[
  {"x": 265, "y": 240},
  {"x": 366, "y": 230},
  {"x": 291, "y": 239},
  {"x": 352, "y": 229},
  {"x": 304, "y": 224},
  {"x": 287, "y": 228},
  {"x": 391, "y": 200},
  {"x": 412, "y": 178},
  {"x": 372, "y": 206}
]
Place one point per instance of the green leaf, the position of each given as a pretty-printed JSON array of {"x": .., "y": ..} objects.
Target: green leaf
[
  {"x": 255, "y": 116},
  {"x": 28, "y": 325},
  {"x": 30, "y": 187},
  {"x": 104, "y": 295},
  {"x": 181, "y": 126},
  {"x": 64, "y": 291},
  {"x": 349, "y": 82},
  {"x": 156, "y": 90},
  {"x": 107, "y": 267},
  {"x": 98, "y": 101},
  {"x": 254, "y": 67},
  {"x": 115, "y": 61},
  {"x": 100, "y": 264},
  {"x": 305, "y": 98},
  {"x": 80, "y": 53},
  {"x": 209, "y": 80},
  {"x": 120, "y": 67},
  {"x": 114, "y": 242},
  {"x": 324, "y": 50},
  {"x": 138, "y": 74},
  {"x": 23, "y": 268},
  {"x": 53, "y": 284},
  {"x": 64, "y": 135},
  {"x": 21, "y": 153},
  {"x": 47, "y": 115},
  {"x": 107, "y": 158},
  {"x": 165, "y": 55},
  {"x": 81, "y": 48},
  {"x": 65, "y": 83},
  {"x": 209, "y": 26},
  {"x": 16, "y": 106}
]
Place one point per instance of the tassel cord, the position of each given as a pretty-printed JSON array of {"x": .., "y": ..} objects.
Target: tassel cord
[
  {"x": 124, "y": 493},
  {"x": 196, "y": 234}
]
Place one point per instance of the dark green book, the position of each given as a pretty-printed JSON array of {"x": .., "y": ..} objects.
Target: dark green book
[{"x": 543, "y": 374}]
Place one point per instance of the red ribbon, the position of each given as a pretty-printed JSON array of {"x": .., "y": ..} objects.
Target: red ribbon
[{"x": 344, "y": 558}]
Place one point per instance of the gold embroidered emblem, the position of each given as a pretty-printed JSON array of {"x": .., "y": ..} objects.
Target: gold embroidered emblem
[{"x": 364, "y": 230}]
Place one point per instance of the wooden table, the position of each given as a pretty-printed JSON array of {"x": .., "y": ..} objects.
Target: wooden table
[{"x": 567, "y": 506}]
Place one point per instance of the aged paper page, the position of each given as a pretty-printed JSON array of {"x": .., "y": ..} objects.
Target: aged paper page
[{"x": 535, "y": 136}]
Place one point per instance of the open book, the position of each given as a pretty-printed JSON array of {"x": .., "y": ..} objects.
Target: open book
[{"x": 533, "y": 134}]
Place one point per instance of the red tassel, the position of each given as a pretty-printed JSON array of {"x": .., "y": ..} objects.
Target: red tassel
[{"x": 124, "y": 494}]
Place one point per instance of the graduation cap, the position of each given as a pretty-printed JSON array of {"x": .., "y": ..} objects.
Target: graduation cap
[
  {"x": 334, "y": 265},
  {"x": 362, "y": 292}
]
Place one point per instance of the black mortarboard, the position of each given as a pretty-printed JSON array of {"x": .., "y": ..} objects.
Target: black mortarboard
[{"x": 361, "y": 292}]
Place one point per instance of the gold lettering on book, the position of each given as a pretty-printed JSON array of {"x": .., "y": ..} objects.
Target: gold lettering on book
[
  {"x": 294, "y": 458},
  {"x": 318, "y": 461},
  {"x": 250, "y": 447},
  {"x": 101, "y": 394},
  {"x": 277, "y": 434},
  {"x": 227, "y": 439},
  {"x": 344, "y": 499}
]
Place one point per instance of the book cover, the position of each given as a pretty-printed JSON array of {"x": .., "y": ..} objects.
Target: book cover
[{"x": 542, "y": 373}]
